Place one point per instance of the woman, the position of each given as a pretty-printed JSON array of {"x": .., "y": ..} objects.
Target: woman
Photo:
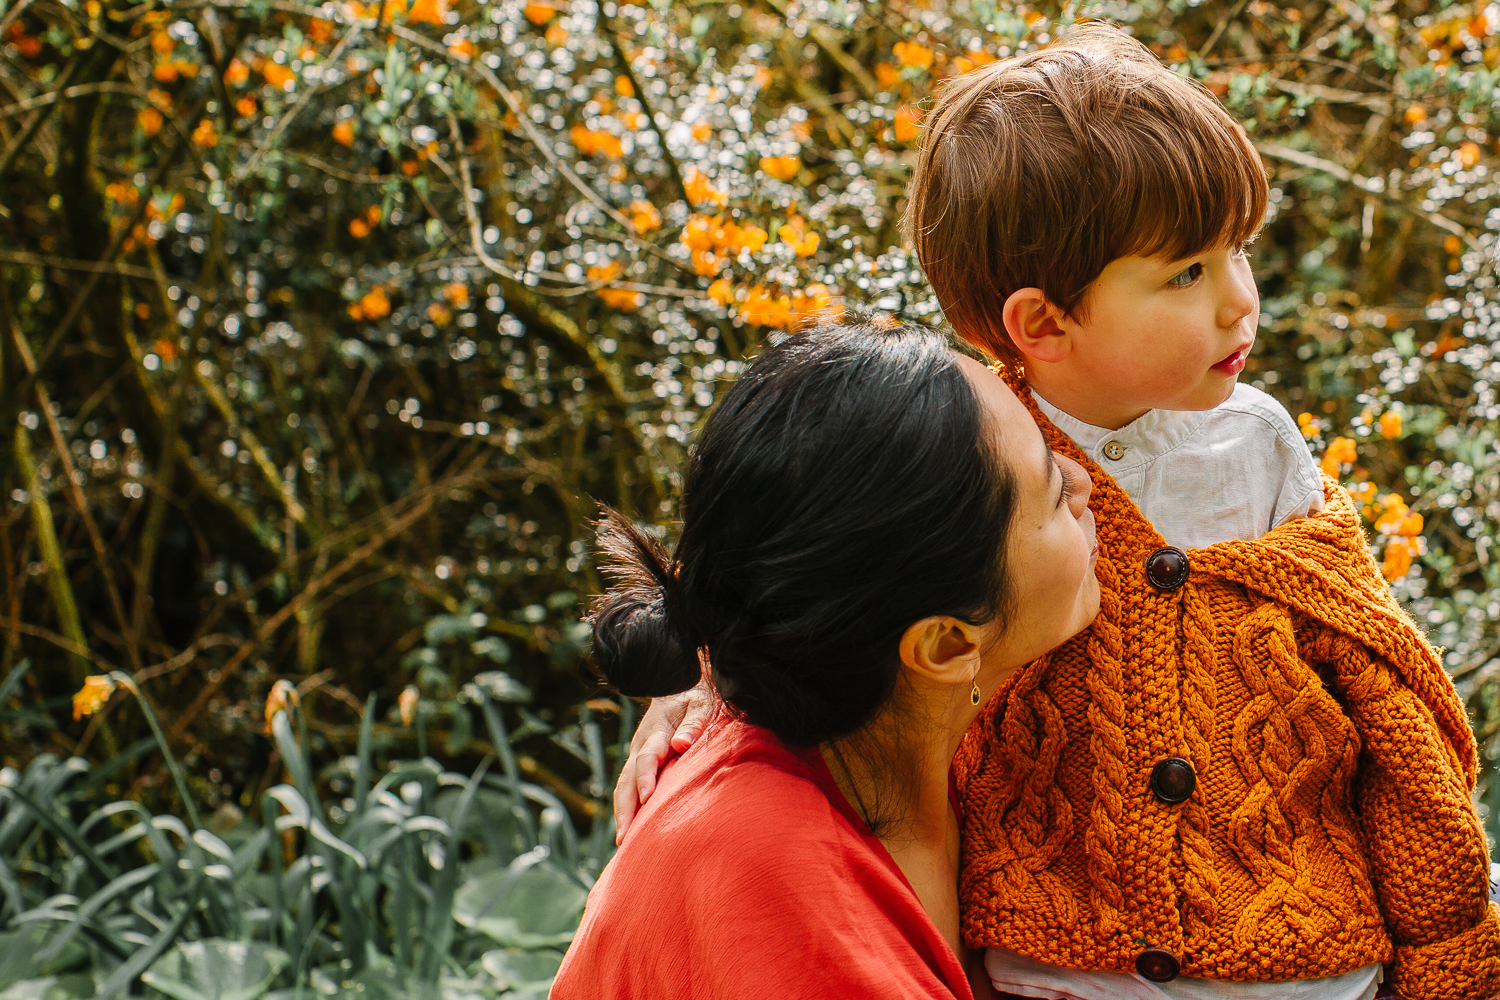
[{"x": 874, "y": 536}]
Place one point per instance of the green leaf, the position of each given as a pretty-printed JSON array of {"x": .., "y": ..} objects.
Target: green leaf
[
  {"x": 500, "y": 686},
  {"x": 78, "y": 986},
  {"x": 419, "y": 658},
  {"x": 532, "y": 903},
  {"x": 493, "y": 647},
  {"x": 515, "y": 970},
  {"x": 441, "y": 628},
  {"x": 217, "y": 969},
  {"x": 21, "y": 958}
]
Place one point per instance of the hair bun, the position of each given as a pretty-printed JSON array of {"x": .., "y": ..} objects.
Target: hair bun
[{"x": 638, "y": 650}]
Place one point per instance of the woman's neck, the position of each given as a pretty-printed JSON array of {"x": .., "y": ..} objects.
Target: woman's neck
[{"x": 894, "y": 773}]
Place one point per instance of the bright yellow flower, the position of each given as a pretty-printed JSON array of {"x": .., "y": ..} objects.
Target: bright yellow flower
[
  {"x": 276, "y": 74},
  {"x": 590, "y": 141},
  {"x": 907, "y": 124},
  {"x": 1398, "y": 558},
  {"x": 283, "y": 693},
  {"x": 813, "y": 304},
  {"x": 237, "y": 74},
  {"x": 1390, "y": 424},
  {"x": 151, "y": 121},
  {"x": 912, "y": 54},
  {"x": 795, "y": 235},
  {"x": 644, "y": 216},
  {"x": 701, "y": 191},
  {"x": 783, "y": 168},
  {"x": 1341, "y": 451},
  {"x": 92, "y": 696},
  {"x": 375, "y": 303},
  {"x": 428, "y": 12},
  {"x": 766, "y": 309},
  {"x": 722, "y": 291},
  {"x": 205, "y": 135}
]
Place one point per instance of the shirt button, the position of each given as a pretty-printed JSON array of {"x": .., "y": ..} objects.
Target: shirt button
[
  {"x": 1173, "y": 780},
  {"x": 1167, "y": 568},
  {"x": 1158, "y": 965},
  {"x": 1114, "y": 451}
]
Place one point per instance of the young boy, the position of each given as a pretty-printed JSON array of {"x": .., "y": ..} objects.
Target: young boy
[
  {"x": 1252, "y": 768},
  {"x": 1251, "y": 776}
]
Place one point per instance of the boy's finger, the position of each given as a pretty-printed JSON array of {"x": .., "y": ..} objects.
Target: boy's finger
[
  {"x": 645, "y": 781},
  {"x": 694, "y": 722},
  {"x": 627, "y": 799},
  {"x": 687, "y": 734}
]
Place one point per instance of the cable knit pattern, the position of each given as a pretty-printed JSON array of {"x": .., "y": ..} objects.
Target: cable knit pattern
[
  {"x": 1107, "y": 719},
  {"x": 1332, "y": 824}
]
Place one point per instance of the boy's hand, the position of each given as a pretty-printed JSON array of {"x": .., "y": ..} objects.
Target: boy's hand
[{"x": 671, "y": 723}]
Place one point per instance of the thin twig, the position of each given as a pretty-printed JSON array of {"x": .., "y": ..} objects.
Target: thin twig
[
  {"x": 314, "y": 586},
  {"x": 1372, "y": 185},
  {"x": 83, "y": 89},
  {"x": 519, "y": 110}
]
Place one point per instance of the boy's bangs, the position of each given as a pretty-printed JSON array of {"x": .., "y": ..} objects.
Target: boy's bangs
[{"x": 1180, "y": 200}]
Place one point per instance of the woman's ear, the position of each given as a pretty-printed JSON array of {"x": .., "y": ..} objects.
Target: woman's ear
[
  {"x": 942, "y": 649},
  {"x": 1035, "y": 325}
]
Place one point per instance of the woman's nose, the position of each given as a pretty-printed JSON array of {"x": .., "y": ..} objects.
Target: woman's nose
[
  {"x": 1079, "y": 501},
  {"x": 1082, "y": 483}
]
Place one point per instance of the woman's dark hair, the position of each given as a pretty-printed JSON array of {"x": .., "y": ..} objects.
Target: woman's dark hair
[{"x": 846, "y": 487}]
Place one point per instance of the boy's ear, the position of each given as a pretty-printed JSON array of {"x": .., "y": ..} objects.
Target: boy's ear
[
  {"x": 1035, "y": 326},
  {"x": 942, "y": 649}
]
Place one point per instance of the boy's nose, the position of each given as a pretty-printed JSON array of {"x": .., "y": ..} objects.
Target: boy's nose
[{"x": 1240, "y": 298}]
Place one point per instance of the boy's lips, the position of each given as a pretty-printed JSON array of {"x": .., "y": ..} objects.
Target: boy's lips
[{"x": 1234, "y": 364}]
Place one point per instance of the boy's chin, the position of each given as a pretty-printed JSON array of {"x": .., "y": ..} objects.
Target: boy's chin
[{"x": 1206, "y": 399}]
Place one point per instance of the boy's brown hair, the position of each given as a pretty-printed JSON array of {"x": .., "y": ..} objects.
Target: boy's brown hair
[{"x": 1038, "y": 171}]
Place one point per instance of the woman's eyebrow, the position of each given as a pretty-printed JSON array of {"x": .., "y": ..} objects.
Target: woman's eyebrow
[{"x": 1050, "y": 458}]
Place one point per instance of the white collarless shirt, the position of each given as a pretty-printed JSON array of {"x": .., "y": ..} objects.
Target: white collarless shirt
[
  {"x": 1206, "y": 476},
  {"x": 1199, "y": 477}
]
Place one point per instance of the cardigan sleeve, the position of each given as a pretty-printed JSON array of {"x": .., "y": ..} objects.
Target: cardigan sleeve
[{"x": 1423, "y": 841}]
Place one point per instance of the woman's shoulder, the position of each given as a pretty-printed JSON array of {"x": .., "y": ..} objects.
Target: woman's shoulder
[{"x": 738, "y": 785}]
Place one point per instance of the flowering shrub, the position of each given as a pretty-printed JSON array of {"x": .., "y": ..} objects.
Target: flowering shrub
[{"x": 320, "y": 320}]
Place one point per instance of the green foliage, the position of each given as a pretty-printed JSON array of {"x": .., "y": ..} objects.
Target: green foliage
[
  {"x": 414, "y": 881},
  {"x": 322, "y": 327}
]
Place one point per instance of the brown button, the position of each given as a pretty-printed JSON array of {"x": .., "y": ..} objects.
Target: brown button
[
  {"x": 1173, "y": 780},
  {"x": 1167, "y": 568},
  {"x": 1114, "y": 451},
  {"x": 1158, "y": 965}
]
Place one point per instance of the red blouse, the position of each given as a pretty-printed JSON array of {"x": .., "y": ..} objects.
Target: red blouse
[{"x": 748, "y": 876}]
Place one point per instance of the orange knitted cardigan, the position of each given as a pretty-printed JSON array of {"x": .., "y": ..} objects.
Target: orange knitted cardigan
[{"x": 1332, "y": 823}]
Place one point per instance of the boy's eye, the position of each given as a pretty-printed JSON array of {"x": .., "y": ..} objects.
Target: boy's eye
[{"x": 1191, "y": 274}]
